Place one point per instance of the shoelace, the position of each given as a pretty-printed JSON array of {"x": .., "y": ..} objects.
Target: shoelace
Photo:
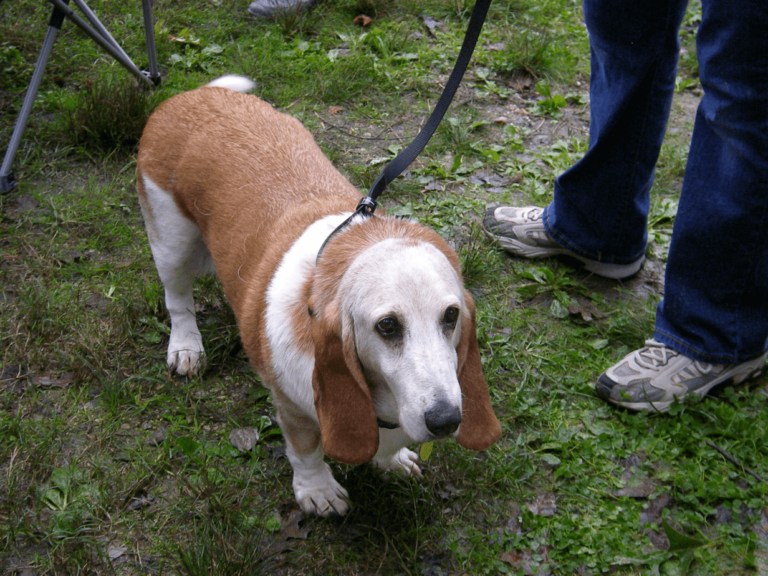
[
  {"x": 534, "y": 214},
  {"x": 658, "y": 355},
  {"x": 654, "y": 355}
]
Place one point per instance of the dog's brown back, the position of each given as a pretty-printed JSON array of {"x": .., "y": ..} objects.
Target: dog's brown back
[{"x": 189, "y": 148}]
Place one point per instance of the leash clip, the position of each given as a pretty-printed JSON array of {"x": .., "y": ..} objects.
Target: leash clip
[{"x": 366, "y": 206}]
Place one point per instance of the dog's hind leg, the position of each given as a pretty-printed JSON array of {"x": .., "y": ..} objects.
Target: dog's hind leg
[{"x": 180, "y": 255}]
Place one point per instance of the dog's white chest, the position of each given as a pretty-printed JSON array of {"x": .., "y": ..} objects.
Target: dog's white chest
[{"x": 291, "y": 365}]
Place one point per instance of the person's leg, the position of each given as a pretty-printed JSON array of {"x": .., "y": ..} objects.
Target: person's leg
[
  {"x": 712, "y": 325},
  {"x": 600, "y": 206},
  {"x": 715, "y": 307}
]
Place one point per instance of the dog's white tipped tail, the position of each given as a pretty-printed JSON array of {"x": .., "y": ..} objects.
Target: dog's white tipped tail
[{"x": 234, "y": 82}]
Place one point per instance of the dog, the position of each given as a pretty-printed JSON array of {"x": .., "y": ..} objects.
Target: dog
[{"x": 367, "y": 350}]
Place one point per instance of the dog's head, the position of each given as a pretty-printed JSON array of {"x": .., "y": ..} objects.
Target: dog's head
[{"x": 394, "y": 336}]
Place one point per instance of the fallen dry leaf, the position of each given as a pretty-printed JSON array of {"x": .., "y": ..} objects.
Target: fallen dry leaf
[
  {"x": 638, "y": 488},
  {"x": 544, "y": 505},
  {"x": 244, "y": 438},
  {"x": 158, "y": 436},
  {"x": 141, "y": 502},
  {"x": 586, "y": 310},
  {"x": 115, "y": 552},
  {"x": 291, "y": 526},
  {"x": 521, "y": 83},
  {"x": 526, "y": 561},
  {"x": 431, "y": 24},
  {"x": 52, "y": 381},
  {"x": 511, "y": 557},
  {"x": 635, "y": 483},
  {"x": 362, "y": 20}
]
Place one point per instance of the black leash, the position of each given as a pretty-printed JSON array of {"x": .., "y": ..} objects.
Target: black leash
[{"x": 399, "y": 163}]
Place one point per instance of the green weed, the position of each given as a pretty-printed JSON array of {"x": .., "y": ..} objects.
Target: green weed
[
  {"x": 109, "y": 114},
  {"x": 297, "y": 21},
  {"x": 527, "y": 53}
]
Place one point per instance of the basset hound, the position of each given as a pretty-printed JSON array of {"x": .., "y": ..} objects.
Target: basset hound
[{"x": 367, "y": 350}]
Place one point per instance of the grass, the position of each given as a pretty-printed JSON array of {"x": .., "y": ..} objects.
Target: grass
[
  {"x": 108, "y": 465},
  {"x": 89, "y": 119}
]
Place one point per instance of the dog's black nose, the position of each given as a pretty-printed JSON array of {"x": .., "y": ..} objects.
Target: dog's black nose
[{"x": 442, "y": 418}]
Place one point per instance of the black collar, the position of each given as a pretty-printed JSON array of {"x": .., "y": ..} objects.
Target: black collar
[{"x": 387, "y": 425}]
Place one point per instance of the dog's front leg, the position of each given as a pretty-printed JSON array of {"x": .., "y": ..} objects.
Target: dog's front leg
[
  {"x": 317, "y": 491},
  {"x": 393, "y": 456}
]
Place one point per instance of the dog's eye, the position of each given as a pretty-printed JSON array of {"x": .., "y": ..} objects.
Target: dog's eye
[
  {"x": 388, "y": 327},
  {"x": 451, "y": 316}
]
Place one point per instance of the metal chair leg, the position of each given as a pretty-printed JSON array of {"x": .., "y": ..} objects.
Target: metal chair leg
[
  {"x": 7, "y": 181},
  {"x": 149, "y": 33},
  {"x": 99, "y": 34}
]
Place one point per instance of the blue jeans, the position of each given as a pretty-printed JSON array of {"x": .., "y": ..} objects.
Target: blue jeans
[{"x": 715, "y": 306}]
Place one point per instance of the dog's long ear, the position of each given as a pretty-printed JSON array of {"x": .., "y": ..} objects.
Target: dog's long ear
[
  {"x": 479, "y": 426},
  {"x": 342, "y": 398}
]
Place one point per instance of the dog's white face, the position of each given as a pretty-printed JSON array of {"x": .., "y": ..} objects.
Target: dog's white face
[{"x": 403, "y": 304}]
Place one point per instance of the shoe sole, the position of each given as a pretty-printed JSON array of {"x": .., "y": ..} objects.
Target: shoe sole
[
  {"x": 612, "y": 271},
  {"x": 749, "y": 373}
]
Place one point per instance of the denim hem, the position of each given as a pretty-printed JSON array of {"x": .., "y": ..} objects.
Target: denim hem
[
  {"x": 568, "y": 245},
  {"x": 686, "y": 350}
]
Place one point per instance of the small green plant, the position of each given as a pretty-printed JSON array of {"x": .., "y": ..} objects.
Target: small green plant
[
  {"x": 390, "y": 44},
  {"x": 297, "y": 21},
  {"x": 109, "y": 114},
  {"x": 457, "y": 134},
  {"x": 558, "y": 283},
  {"x": 222, "y": 545},
  {"x": 372, "y": 8},
  {"x": 527, "y": 52},
  {"x": 472, "y": 255},
  {"x": 660, "y": 223},
  {"x": 462, "y": 8},
  {"x": 12, "y": 64},
  {"x": 194, "y": 54},
  {"x": 61, "y": 490},
  {"x": 489, "y": 86},
  {"x": 552, "y": 104},
  {"x": 193, "y": 59}
]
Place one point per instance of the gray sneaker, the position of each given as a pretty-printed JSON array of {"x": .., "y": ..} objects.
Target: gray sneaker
[
  {"x": 652, "y": 378},
  {"x": 268, "y": 8},
  {"x": 521, "y": 232}
]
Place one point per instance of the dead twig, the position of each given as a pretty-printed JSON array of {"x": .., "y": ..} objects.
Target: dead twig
[
  {"x": 735, "y": 462},
  {"x": 345, "y": 131}
]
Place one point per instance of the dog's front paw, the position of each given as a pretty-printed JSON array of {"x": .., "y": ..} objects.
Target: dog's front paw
[
  {"x": 404, "y": 462},
  {"x": 186, "y": 362},
  {"x": 320, "y": 494}
]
